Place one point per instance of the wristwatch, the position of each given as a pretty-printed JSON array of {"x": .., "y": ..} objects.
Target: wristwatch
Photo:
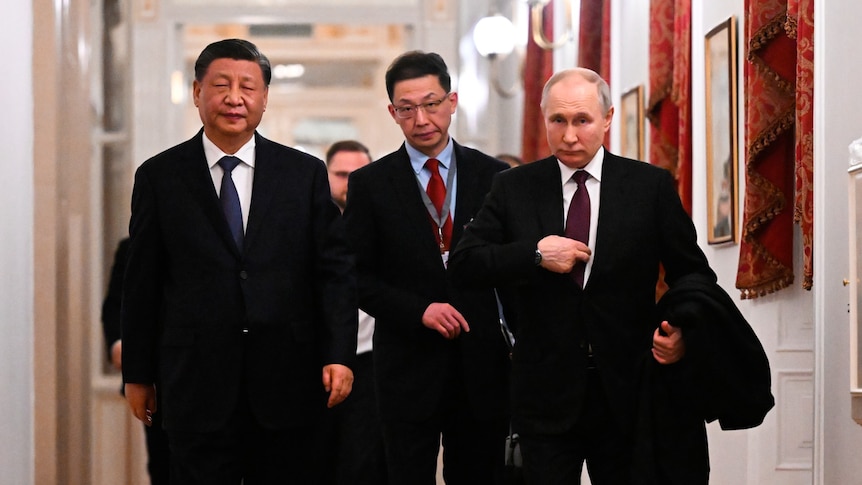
[{"x": 538, "y": 259}]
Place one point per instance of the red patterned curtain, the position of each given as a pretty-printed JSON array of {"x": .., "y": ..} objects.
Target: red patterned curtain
[
  {"x": 779, "y": 151},
  {"x": 594, "y": 37},
  {"x": 594, "y": 40},
  {"x": 669, "y": 105},
  {"x": 538, "y": 68}
]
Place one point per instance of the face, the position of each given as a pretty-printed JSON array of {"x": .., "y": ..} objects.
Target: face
[
  {"x": 575, "y": 121},
  {"x": 428, "y": 133},
  {"x": 341, "y": 165},
  {"x": 231, "y": 99}
]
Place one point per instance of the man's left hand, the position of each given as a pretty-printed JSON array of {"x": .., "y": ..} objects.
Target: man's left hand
[
  {"x": 338, "y": 382},
  {"x": 670, "y": 347}
]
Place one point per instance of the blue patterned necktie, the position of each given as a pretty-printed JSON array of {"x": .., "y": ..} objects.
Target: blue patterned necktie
[{"x": 230, "y": 199}]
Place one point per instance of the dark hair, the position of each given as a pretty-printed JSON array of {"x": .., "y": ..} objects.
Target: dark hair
[
  {"x": 237, "y": 49},
  {"x": 415, "y": 64},
  {"x": 346, "y": 146}
]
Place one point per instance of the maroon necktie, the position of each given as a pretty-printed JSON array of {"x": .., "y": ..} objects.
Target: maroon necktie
[
  {"x": 437, "y": 193},
  {"x": 578, "y": 221}
]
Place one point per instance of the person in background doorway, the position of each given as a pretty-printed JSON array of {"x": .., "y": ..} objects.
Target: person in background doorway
[
  {"x": 512, "y": 160},
  {"x": 358, "y": 437},
  {"x": 158, "y": 453}
]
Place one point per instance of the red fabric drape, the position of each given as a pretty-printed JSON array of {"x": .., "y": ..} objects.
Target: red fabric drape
[
  {"x": 594, "y": 37},
  {"x": 800, "y": 25},
  {"x": 669, "y": 105},
  {"x": 538, "y": 68},
  {"x": 779, "y": 156},
  {"x": 594, "y": 40}
]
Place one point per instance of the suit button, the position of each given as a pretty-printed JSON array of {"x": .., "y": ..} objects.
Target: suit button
[{"x": 243, "y": 275}]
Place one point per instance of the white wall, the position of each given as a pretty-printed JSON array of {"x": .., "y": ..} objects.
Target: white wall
[
  {"x": 16, "y": 247},
  {"x": 838, "y": 121}
]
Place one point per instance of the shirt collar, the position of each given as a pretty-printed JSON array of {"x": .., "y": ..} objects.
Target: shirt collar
[
  {"x": 214, "y": 153},
  {"x": 594, "y": 168},
  {"x": 418, "y": 159}
]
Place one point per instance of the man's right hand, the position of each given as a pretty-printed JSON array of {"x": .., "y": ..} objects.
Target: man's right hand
[
  {"x": 142, "y": 401},
  {"x": 559, "y": 254},
  {"x": 445, "y": 319}
]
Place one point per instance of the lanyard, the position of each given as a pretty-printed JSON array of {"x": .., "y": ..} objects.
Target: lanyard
[{"x": 440, "y": 219}]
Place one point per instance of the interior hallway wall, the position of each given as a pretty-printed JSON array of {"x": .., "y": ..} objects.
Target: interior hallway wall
[{"x": 16, "y": 246}]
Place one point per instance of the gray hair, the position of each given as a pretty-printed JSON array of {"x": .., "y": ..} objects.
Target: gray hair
[{"x": 604, "y": 91}]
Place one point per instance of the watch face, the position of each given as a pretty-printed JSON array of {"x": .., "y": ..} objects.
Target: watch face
[{"x": 538, "y": 259}]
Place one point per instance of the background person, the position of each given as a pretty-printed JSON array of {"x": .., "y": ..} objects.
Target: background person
[
  {"x": 440, "y": 361},
  {"x": 360, "y": 457},
  {"x": 158, "y": 453}
]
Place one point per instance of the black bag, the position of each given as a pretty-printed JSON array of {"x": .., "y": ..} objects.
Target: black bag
[{"x": 514, "y": 465}]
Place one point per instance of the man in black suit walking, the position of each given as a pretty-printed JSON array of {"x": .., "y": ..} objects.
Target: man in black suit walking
[
  {"x": 577, "y": 240},
  {"x": 440, "y": 360},
  {"x": 238, "y": 298}
]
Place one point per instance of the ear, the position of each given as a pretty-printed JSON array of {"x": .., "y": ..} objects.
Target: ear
[
  {"x": 196, "y": 91},
  {"x": 392, "y": 112},
  {"x": 608, "y": 118},
  {"x": 453, "y": 100}
]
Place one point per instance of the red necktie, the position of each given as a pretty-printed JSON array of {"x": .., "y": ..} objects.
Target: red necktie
[
  {"x": 578, "y": 221},
  {"x": 437, "y": 193}
]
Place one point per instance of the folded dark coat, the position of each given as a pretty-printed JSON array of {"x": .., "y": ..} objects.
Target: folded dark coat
[{"x": 724, "y": 376}]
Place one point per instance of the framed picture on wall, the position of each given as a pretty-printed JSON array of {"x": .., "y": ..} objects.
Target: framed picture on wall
[
  {"x": 632, "y": 124},
  {"x": 721, "y": 128}
]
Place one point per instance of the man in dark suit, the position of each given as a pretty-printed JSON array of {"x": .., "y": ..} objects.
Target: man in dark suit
[
  {"x": 242, "y": 310},
  {"x": 578, "y": 348},
  {"x": 440, "y": 360}
]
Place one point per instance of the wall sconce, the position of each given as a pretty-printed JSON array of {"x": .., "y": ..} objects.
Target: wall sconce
[
  {"x": 494, "y": 37},
  {"x": 537, "y": 21}
]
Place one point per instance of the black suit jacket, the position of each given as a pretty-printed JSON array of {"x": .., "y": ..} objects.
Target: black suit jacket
[
  {"x": 111, "y": 327},
  {"x": 212, "y": 322},
  {"x": 641, "y": 223},
  {"x": 401, "y": 273}
]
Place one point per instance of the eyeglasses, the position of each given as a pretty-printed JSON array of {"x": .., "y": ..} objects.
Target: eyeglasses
[{"x": 431, "y": 107}]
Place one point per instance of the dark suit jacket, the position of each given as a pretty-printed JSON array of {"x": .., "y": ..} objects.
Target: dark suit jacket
[
  {"x": 259, "y": 321},
  {"x": 111, "y": 305},
  {"x": 401, "y": 273},
  {"x": 641, "y": 223}
]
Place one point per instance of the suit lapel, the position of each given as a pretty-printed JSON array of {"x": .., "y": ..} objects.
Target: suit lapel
[
  {"x": 612, "y": 209},
  {"x": 403, "y": 181},
  {"x": 197, "y": 176},
  {"x": 267, "y": 179},
  {"x": 549, "y": 205},
  {"x": 467, "y": 173}
]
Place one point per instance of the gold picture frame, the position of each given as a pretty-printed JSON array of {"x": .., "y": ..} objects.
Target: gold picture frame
[
  {"x": 632, "y": 123},
  {"x": 721, "y": 133}
]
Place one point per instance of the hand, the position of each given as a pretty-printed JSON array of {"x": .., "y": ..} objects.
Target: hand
[
  {"x": 117, "y": 355},
  {"x": 559, "y": 254},
  {"x": 445, "y": 319},
  {"x": 142, "y": 401},
  {"x": 338, "y": 382},
  {"x": 669, "y": 348}
]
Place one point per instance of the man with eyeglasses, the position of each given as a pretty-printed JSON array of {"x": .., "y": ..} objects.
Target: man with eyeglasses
[{"x": 440, "y": 362}]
